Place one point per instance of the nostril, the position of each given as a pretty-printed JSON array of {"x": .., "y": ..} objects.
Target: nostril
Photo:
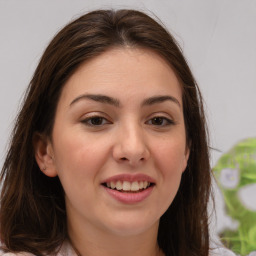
[{"x": 126, "y": 159}]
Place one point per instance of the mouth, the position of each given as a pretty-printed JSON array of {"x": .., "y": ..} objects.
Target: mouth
[{"x": 127, "y": 186}]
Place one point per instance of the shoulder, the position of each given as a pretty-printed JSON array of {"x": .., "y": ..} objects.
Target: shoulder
[
  {"x": 65, "y": 250},
  {"x": 226, "y": 252},
  {"x": 221, "y": 252},
  {"x": 15, "y": 254}
]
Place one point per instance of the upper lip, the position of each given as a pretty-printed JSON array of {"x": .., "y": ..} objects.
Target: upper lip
[{"x": 130, "y": 178}]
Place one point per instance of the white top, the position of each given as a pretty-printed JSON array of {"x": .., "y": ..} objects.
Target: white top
[{"x": 67, "y": 250}]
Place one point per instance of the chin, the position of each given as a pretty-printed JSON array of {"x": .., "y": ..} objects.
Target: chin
[{"x": 132, "y": 227}]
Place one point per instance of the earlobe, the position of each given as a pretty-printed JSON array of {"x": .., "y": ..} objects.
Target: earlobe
[{"x": 44, "y": 155}]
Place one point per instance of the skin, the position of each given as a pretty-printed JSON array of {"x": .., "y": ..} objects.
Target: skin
[{"x": 126, "y": 140}]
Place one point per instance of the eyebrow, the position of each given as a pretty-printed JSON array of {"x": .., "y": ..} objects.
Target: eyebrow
[
  {"x": 115, "y": 102},
  {"x": 99, "y": 98},
  {"x": 160, "y": 99}
]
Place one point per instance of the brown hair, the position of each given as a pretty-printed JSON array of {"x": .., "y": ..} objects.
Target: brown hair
[{"x": 32, "y": 215}]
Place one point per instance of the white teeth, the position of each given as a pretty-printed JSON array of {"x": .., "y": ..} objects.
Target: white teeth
[
  {"x": 145, "y": 184},
  {"x": 135, "y": 186},
  {"x": 112, "y": 185},
  {"x": 128, "y": 186},
  {"x": 119, "y": 185}
]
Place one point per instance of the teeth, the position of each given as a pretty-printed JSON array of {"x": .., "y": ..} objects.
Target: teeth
[
  {"x": 119, "y": 185},
  {"x": 112, "y": 185},
  {"x": 135, "y": 186},
  {"x": 128, "y": 186}
]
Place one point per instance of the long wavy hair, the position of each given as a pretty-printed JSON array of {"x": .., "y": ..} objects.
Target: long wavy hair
[{"x": 32, "y": 214}]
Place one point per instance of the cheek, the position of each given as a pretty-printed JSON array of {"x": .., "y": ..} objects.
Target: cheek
[
  {"x": 78, "y": 164},
  {"x": 170, "y": 157},
  {"x": 78, "y": 156},
  {"x": 169, "y": 161}
]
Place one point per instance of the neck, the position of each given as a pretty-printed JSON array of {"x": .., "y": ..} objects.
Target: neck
[{"x": 93, "y": 242}]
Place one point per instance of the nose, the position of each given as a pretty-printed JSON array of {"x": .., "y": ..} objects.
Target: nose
[{"x": 131, "y": 146}]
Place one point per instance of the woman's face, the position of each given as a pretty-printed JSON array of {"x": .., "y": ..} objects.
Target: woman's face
[{"x": 118, "y": 143}]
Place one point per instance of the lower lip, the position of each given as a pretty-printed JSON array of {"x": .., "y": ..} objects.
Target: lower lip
[{"x": 129, "y": 198}]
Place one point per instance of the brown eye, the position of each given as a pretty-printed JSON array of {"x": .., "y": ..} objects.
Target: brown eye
[
  {"x": 95, "y": 121},
  {"x": 160, "y": 121},
  {"x": 157, "y": 121}
]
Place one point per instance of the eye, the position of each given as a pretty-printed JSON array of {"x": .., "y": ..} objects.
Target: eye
[
  {"x": 160, "y": 121},
  {"x": 95, "y": 121}
]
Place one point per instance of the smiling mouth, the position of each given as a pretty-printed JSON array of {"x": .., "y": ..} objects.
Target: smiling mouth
[{"x": 127, "y": 186}]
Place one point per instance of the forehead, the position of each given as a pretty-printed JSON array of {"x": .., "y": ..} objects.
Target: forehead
[{"x": 119, "y": 70}]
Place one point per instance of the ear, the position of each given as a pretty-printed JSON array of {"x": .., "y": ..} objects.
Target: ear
[{"x": 43, "y": 151}]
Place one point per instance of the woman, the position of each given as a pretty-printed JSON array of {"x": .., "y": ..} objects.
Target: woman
[{"x": 109, "y": 154}]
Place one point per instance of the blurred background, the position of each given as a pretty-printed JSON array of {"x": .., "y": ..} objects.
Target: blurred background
[{"x": 218, "y": 38}]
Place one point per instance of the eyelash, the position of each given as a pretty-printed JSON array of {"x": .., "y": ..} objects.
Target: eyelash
[
  {"x": 166, "y": 121},
  {"x": 103, "y": 121},
  {"x": 88, "y": 121}
]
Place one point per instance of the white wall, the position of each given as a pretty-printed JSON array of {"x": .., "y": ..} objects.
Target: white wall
[{"x": 218, "y": 38}]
